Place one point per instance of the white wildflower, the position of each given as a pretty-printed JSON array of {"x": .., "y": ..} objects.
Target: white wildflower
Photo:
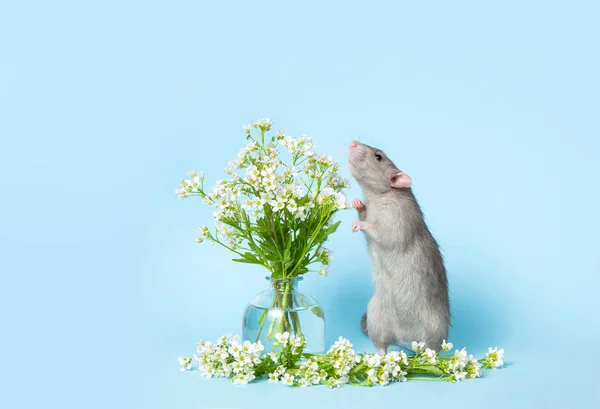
[
  {"x": 281, "y": 198},
  {"x": 374, "y": 360},
  {"x": 243, "y": 378},
  {"x": 264, "y": 124},
  {"x": 431, "y": 355},
  {"x": 237, "y": 367},
  {"x": 458, "y": 376},
  {"x": 372, "y": 374},
  {"x": 292, "y": 206},
  {"x": 252, "y": 174},
  {"x": 494, "y": 358},
  {"x": 283, "y": 338},
  {"x": 303, "y": 383},
  {"x": 473, "y": 368},
  {"x": 269, "y": 184},
  {"x": 296, "y": 341},
  {"x": 340, "y": 201},
  {"x": 268, "y": 172},
  {"x": 185, "y": 363},
  {"x": 417, "y": 346},
  {"x": 457, "y": 364},
  {"x": 277, "y": 205},
  {"x": 287, "y": 379},
  {"x": 223, "y": 339},
  {"x": 446, "y": 346},
  {"x": 384, "y": 379},
  {"x": 297, "y": 190},
  {"x": 462, "y": 355},
  {"x": 208, "y": 371},
  {"x": 235, "y": 350}
]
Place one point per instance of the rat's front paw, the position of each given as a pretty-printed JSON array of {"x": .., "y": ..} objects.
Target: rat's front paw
[
  {"x": 359, "y": 205},
  {"x": 356, "y": 226}
]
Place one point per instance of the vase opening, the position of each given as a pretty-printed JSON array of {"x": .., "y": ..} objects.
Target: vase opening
[{"x": 282, "y": 284}]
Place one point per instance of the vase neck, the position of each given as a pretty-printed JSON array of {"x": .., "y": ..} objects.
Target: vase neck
[{"x": 284, "y": 284}]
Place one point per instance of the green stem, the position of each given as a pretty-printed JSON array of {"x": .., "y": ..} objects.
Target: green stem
[
  {"x": 422, "y": 378},
  {"x": 263, "y": 318},
  {"x": 285, "y": 305},
  {"x": 215, "y": 240},
  {"x": 322, "y": 222},
  {"x": 296, "y": 322},
  {"x": 282, "y": 320},
  {"x": 289, "y": 320}
]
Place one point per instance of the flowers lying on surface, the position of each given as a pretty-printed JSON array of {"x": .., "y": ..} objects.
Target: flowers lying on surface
[
  {"x": 227, "y": 358},
  {"x": 185, "y": 363},
  {"x": 494, "y": 358},
  {"x": 288, "y": 364},
  {"x": 461, "y": 366}
]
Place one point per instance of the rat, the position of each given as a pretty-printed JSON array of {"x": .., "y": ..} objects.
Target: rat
[{"x": 410, "y": 301}]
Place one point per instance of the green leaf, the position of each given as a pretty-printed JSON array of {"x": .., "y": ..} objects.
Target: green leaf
[
  {"x": 248, "y": 258},
  {"x": 333, "y": 228},
  {"x": 428, "y": 370},
  {"x": 318, "y": 311},
  {"x": 254, "y": 247},
  {"x": 267, "y": 245},
  {"x": 242, "y": 260},
  {"x": 302, "y": 270}
]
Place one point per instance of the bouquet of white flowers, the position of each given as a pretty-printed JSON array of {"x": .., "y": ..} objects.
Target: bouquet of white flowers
[{"x": 272, "y": 213}]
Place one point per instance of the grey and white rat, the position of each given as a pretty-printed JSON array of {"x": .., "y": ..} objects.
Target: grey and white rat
[{"x": 410, "y": 301}]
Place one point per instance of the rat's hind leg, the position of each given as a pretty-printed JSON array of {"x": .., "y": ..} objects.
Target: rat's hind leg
[
  {"x": 381, "y": 346},
  {"x": 378, "y": 325}
]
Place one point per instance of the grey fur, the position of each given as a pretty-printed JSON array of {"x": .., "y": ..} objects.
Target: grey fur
[
  {"x": 410, "y": 301},
  {"x": 363, "y": 323}
]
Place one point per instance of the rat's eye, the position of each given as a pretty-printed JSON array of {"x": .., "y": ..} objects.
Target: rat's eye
[{"x": 378, "y": 157}]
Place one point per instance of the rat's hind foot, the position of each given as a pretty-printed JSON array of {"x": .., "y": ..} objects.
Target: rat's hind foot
[{"x": 359, "y": 205}]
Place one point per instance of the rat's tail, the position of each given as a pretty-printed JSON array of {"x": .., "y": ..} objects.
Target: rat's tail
[{"x": 363, "y": 323}]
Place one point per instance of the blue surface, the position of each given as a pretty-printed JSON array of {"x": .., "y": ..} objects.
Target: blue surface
[{"x": 492, "y": 109}]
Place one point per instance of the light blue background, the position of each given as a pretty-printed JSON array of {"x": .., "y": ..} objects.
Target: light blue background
[{"x": 491, "y": 107}]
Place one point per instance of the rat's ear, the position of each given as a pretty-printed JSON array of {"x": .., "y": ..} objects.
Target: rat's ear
[{"x": 400, "y": 180}]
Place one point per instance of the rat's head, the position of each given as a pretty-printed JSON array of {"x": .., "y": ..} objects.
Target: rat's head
[{"x": 374, "y": 171}]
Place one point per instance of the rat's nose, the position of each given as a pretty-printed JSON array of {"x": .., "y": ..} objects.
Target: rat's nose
[{"x": 353, "y": 145}]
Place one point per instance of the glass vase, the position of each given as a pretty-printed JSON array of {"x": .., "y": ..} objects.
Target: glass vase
[{"x": 282, "y": 308}]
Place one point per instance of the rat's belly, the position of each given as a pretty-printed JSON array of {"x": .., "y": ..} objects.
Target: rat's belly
[
  {"x": 383, "y": 267},
  {"x": 399, "y": 284}
]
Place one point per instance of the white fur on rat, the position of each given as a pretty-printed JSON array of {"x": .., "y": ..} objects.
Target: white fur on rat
[{"x": 410, "y": 302}]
